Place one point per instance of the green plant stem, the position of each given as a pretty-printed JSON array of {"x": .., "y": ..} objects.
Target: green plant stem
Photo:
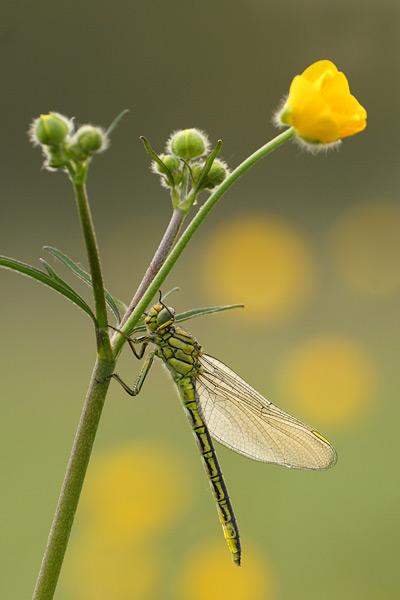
[
  {"x": 86, "y": 433},
  {"x": 158, "y": 259},
  {"x": 118, "y": 340},
  {"x": 73, "y": 482},
  {"x": 104, "y": 348},
  {"x": 92, "y": 409}
]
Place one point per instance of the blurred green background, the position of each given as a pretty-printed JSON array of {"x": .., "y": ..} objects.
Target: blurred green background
[{"x": 310, "y": 244}]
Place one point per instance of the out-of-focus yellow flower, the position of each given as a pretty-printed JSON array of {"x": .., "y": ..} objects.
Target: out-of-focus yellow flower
[
  {"x": 208, "y": 564},
  {"x": 264, "y": 262},
  {"x": 128, "y": 504},
  {"x": 332, "y": 378},
  {"x": 320, "y": 106}
]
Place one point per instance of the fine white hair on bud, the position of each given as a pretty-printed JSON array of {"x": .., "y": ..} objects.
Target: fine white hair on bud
[
  {"x": 90, "y": 139},
  {"x": 50, "y": 129},
  {"x": 188, "y": 143},
  {"x": 276, "y": 116},
  {"x": 311, "y": 146},
  {"x": 218, "y": 172},
  {"x": 171, "y": 166},
  {"x": 171, "y": 162},
  {"x": 316, "y": 147}
]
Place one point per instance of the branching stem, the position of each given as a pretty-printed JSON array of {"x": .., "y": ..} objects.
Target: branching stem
[
  {"x": 161, "y": 265},
  {"x": 158, "y": 259}
]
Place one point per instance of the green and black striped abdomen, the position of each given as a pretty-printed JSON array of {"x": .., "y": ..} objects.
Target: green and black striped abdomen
[
  {"x": 212, "y": 468},
  {"x": 180, "y": 352},
  {"x": 221, "y": 404}
]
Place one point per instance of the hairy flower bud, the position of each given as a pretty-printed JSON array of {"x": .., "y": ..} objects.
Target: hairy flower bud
[
  {"x": 50, "y": 129},
  {"x": 171, "y": 162},
  {"x": 90, "y": 139},
  {"x": 215, "y": 176},
  {"x": 188, "y": 143},
  {"x": 55, "y": 158}
]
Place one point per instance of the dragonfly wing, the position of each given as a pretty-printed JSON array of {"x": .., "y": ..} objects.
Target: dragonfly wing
[{"x": 243, "y": 420}]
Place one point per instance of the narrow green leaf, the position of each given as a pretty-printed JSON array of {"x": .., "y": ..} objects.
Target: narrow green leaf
[
  {"x": 194, "y": 312},
  {"x": 82, "y": 274},
  {"x": 175, "y": 289},
  {"x": 199, "y": 312},
  {"x": 207, "y": 167},
  {"x": 58, "y": 279},
  {"x": 49, "y": 269},
  {"x": 116, "y": 121},
  {"x": 57, "y": 284},
  {"x": 123, "y": 307},
  {"x": 158, "y": 160},
  {"x": 54, "y": 275}
]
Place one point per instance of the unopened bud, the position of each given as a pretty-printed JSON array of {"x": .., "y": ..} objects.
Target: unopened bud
[
  {"x": 188, "y": 143},
  {"x": 171, "y": 162},
  {"x": 55, "y": 158},
  {"x": 50, "y": 129},
  {"x": 216, "y": 175},
  {"x": 90, "y": 139}
]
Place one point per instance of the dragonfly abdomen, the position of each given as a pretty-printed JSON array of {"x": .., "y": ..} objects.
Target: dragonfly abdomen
[
  {"x": 180, "y": 352},
  {"x": 212, "y": 468},
  {"x": 220, "y": 403}
]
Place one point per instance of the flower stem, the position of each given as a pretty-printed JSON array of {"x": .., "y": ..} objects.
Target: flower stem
[
  {"x": 86, "y": 433},
  {"x": 158, "y": 259},
  {"x": 104, "y": 348},
  {"x": 118, "y": 340},
  {"x": 73, "y": 482},
  {"x": 157, "y": 272}
]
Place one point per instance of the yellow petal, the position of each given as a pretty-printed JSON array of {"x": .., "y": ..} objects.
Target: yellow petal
[
  {"x": 335, "y": 87},
  {"x": 311, "y": 115},
  {"x": 320, "y": 106},
  {"x": 320, "y": 71}
]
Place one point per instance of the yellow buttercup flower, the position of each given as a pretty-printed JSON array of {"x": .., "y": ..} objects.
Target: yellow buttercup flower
[{"x": 320, "y": 107}]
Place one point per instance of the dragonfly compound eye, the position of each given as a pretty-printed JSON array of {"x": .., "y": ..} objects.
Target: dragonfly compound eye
[{"x": 166, "y": 314}]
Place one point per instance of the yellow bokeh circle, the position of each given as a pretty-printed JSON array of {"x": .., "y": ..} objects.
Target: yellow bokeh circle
[
  {"x": 331, "y": 378},
  {"x": 94, "y": 570},
  {"x": 124, "y": 489},
  {"x": 366, "y": 248},
  {"x": 263, "y": 262},
  {"x": 209, "y": 574}
]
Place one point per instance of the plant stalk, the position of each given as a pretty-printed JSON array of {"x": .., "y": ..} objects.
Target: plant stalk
[
  {"x": 104, "y": 348},
  {"x": 157, "y": 272},
  {"x": 86, "y": 433},
  {"x": 118, "y": 340},
  {"x": 73, "y": 482},
  {"x": 158, "y": 259}
]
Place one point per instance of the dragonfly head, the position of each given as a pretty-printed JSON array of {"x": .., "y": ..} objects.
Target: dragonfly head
[{"x": 158, "y": 316}]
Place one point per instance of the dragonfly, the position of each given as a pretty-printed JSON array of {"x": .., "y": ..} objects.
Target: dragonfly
[{"x": 221, "y": 405}]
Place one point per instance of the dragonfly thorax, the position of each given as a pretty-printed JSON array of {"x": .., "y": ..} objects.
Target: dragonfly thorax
[{"x": 158, "y": 316}]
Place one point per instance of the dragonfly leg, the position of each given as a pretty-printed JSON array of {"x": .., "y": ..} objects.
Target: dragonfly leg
[
  {"x": 131, "y": 341},
  {"x": 140, "y": 380}
]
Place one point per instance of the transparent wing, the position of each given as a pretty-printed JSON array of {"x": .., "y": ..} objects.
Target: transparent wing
[{"x": 244, "y": 421}]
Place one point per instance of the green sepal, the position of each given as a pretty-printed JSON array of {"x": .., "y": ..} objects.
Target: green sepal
[
  {"x": 207, "y": 166},
  {"x": 191, "y": 314},
  {"x": 158, "y": 160},
  {"x": 82, "y": 274},
  {"x": 51, "y": 279},
  {"x": 186, "y": 204}
]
